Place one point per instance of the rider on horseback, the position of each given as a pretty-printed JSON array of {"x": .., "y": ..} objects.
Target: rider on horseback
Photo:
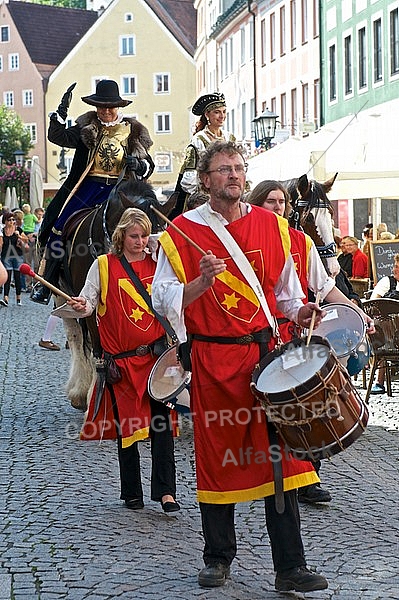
[{"x": 106, "y": 142}]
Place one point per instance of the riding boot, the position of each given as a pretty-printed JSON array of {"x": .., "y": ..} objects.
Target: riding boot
[{"x": 40, "y": 293}]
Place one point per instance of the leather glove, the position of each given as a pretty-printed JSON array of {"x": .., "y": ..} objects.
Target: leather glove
[
  {"x": 62, "y": 109},
  {"x": 136, "y": 165}
]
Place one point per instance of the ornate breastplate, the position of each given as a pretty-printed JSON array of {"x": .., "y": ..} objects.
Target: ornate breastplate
[{"x": 109, "y": 156}]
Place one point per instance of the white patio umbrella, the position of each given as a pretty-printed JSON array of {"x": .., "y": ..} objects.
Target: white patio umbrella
[
  {"x": 7, "y": 199},
  {"x": 14, "y": 199},
  {"x": 35, "y": 185}
]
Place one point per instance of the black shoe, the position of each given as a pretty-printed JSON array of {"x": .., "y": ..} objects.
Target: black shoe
[
  {"x": 40, "y": 294},
  {"x": 134, "y": 503},
  {"x": 300, "y": 579},
  {"x": 311, "y": 494},
  {"x": 213, "y": 575},
  {"x": 169, "y": 507}
]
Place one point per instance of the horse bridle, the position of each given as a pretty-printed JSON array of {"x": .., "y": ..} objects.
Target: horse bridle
[{"x": 327, "y": 251}]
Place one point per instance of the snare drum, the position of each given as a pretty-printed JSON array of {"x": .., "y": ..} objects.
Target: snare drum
[
  {"x": 168, "y": 382},
  {"x": 310, "y": 398},
  {"x": 345, "y": 329}
]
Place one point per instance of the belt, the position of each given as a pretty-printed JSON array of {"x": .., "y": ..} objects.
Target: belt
[
  {"x": 104, "y": 180},
  {"x": 139, "y": 351},
  {"x": 260, "y": 337}
]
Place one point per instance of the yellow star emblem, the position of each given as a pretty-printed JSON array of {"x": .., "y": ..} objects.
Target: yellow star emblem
[
  {"x": 231, "y": 301},
  {"x": 137, "y": 314},
  {"x": 148, "y": 288},
  {"x": 252, "y": 263}
]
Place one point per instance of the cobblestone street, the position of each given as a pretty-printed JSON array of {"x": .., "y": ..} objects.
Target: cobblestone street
[{"x": 65, "y": 534}]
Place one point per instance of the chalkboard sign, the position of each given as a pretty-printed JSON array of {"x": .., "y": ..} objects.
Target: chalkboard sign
[{"x": 382, "y": 253}]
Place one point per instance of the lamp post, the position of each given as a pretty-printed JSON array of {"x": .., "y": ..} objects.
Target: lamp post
[
  {"x": 19, "y": 157},
  {"x": 265, "y": 128}
]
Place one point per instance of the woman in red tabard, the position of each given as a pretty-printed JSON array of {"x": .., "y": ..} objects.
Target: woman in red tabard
[{"x": 127, "y": 325}]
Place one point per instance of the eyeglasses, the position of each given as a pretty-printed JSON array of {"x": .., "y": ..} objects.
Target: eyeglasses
[
  {"x": 11, "y": 219},
  {"x": 227, "y": 170}
]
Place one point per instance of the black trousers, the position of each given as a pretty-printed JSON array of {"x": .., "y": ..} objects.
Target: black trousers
[
  {"x": 284, "y": 533},
  {"x": 163, "y": 471}
]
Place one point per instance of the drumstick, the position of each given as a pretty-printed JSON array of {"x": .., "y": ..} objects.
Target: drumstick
[
  {"x": 26, "y": 270},
  {"x": 312, "y": 320},
  {"x": 169, "y": 222}
]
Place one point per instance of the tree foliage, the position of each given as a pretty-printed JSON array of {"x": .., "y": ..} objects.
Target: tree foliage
[{"x": 13, "y": 134}]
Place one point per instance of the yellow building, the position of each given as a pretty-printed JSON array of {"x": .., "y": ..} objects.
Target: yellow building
[{"x": 147, "y": 46}]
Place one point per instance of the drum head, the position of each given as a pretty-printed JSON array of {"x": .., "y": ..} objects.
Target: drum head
[
  {"x": 167, "y": 378},
  {"x": 343, "y": 327},
  {"x": 294, "y": 366}
]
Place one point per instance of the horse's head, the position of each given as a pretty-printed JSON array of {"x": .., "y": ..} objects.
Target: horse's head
[
  {"x": 139, "y": 194},
  {"x": 312, "y": 211}
]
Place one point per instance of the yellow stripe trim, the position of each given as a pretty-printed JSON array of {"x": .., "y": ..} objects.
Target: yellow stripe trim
[
  {"x": 172, "y": 253},
  {"x": 285, "y": 235},
  {"x": 290, "y": 483},
  {"x": 104, "y": 278},
  {"x": 131, "y": 290},
  {"x": 309, "y": 244},
  {"x": 140, "y": 434}
]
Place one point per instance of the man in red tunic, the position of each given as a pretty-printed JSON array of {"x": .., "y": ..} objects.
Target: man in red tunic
[{"x": 208, "y": 296}]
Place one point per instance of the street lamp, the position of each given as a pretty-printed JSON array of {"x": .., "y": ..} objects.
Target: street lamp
[
  {"x": 265, "y": 128},
  {"x": 19, "y": 157}
]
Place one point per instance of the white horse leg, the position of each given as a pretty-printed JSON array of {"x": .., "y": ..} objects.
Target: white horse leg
[{"x": 82, "y": 370}]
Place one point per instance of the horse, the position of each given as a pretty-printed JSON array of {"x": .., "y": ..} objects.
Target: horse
[
  {"x": 87, "y": 234},
  {"x": 312, "y": 211}
]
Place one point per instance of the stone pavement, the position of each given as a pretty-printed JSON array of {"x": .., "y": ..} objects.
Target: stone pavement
[{"x": 64, "y": 533}]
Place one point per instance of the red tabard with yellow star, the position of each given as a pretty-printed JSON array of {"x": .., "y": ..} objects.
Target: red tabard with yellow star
[
  {"x": 233, "y": 454},
  {"x": 125, "y": 322},
  {"x": 300, "y": 248}
]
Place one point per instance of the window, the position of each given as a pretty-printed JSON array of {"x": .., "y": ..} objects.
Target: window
[
  {"x": 273, "y": 36},
  {"x": 128, "y": 85},
  {"x": 283, "y": 110},
  {"x": 128, "y": 17},
  {"x": 263, "y": 41},
  {"x": 348, "y": 64},
  {"x": 127, "y": 45},
  {"x": 305, "y": 102},
  {"x": 304, "y": 16},
  {"x": 315, "y": 18},
  {"x": 161, "y": 83},
  {"x": 13, "y": 62},
  {"x": 394, "y": 40},
  {"x": 32, "y": 129},
  {"x": 316, "y": 101},
  {"x": 1, "y": 63},
  {"x": 27, "y": 97},
  {"x": 8, "y": 99},
  {"x": 5, "y": 34},
  {"x": 244, "y": 120},
  {"x": 362, "y": 57},
  {"x": 294, "y": 114},
  {"x": 251, "y": 40},
  {"x": 242, "y": 42},
  {"x": 332, "y": 58},
  {"x": 163, "y": 123},
  {"x": 377, "y": 50},
  {"x": 282, "y": 30},
  {"x": 293, "y": 23}
]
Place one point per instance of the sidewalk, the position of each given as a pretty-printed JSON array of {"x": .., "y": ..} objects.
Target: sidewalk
[{"x": 65, "y": 534}]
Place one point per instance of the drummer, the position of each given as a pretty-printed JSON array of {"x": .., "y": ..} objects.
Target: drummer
[
  {"x": 127, "y": 325},
  {"x": 273, "y": 196},
  {"x": 209, "y": 296}
]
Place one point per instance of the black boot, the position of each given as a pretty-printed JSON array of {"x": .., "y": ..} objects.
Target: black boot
[{"x": 40, "y": 293}]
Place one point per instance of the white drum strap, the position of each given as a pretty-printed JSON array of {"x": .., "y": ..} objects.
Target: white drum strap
[{"x": 240, "y": 260}]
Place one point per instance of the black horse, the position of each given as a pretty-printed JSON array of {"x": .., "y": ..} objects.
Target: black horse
[
  {"x": 312, "y": 211},
  {"x": 87, "y": 234}
]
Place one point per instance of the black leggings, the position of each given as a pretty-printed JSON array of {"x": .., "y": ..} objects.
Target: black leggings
[{"x": 17, "y": 280}]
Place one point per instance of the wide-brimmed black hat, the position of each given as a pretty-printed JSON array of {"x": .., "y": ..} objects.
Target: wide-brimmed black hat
[
  {"x": 207, "y": 103},
  {"x": 107, "y": 95}
]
